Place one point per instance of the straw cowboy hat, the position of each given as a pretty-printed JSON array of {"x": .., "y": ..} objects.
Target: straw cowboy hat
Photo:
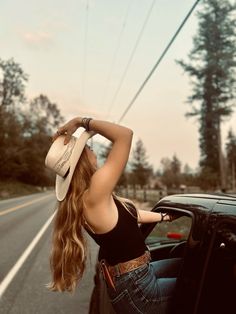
[{"x": 62, "y": 159}]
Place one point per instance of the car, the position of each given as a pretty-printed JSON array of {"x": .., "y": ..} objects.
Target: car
[{"x": 204, "y": 236}]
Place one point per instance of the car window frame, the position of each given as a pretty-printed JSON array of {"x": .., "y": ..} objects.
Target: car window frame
[{"x": 147, "y": 228}]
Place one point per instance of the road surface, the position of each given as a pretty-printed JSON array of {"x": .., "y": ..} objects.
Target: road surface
[{"x": 25, "y": 242}]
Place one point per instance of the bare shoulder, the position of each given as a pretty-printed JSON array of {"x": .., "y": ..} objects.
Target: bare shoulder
[{"x": 101, "y": 216}]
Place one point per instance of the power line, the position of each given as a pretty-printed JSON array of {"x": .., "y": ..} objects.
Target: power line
[
  {"x": 131, "y": 56},
  {"x": 116, "y": 50},
  {"x": 158, "y": 62}
]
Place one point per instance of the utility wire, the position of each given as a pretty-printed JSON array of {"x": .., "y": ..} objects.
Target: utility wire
[
  {"x": 131, "y": 56},
  {"x": 85, "y": 49},
  {"x": 116, "y": 51},
  {"x": 158, "y": 62}
]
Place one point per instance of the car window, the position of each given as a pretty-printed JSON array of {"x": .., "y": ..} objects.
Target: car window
[
  {"x": 219, "y": 279},
  {"x": 168, "y": 232}
]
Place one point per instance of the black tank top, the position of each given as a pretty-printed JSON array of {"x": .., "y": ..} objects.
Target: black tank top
[{"x": 125, "y": 241}]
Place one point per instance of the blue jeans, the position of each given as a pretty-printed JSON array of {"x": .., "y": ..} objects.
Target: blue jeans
[{"x": 147, "y": 289}]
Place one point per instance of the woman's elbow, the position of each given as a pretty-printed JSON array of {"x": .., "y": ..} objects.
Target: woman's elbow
[
  {"x": 130, "y": 135},
  {"x": 130, "y": 132},
  {"x": 127, "y": 134}
]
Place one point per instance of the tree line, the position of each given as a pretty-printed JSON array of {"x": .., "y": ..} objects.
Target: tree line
[
  {"x": 27, "y": 124},
  {"x": 26, "y": 128}
]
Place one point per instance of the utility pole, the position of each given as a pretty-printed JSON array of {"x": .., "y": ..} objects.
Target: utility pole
[
  {"x": 233, "y": 176},
  {"x": 221, "y": 161}
]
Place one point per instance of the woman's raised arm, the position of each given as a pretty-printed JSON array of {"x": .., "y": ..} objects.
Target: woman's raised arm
[{"x": 105, "y": 178}]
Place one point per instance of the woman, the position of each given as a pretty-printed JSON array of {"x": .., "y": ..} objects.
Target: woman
[{"x": 86, "y": 199}]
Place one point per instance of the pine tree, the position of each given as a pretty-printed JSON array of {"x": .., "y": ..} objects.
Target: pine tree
[
  {"x": 140, "y": 167},
  {"x": 212, "y": 68},
  {"x": 171, "y": 173}
]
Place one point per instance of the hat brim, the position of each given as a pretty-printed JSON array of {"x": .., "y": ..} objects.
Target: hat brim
[{"x": 62, "y": 184}]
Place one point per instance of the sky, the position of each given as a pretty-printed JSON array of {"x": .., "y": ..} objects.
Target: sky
[{"x": 76, "y": 52}]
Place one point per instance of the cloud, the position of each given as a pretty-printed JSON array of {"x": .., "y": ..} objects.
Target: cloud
[{"x": 37, "y": 38}]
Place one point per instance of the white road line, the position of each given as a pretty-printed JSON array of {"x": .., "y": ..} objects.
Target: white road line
[
  {"x": 7, "y": 280},
  {"x": 6, "y": 211}
]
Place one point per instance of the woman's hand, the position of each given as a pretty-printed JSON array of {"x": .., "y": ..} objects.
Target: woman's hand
[
  {"x": 169, "y": 217},
  {"x": 68, "y": 129}
]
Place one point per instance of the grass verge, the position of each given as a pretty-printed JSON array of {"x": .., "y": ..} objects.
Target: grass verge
[{"x": 10, "y": 189}]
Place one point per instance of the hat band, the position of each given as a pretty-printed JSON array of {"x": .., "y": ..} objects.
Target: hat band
[{"x": 59, "y": 167}]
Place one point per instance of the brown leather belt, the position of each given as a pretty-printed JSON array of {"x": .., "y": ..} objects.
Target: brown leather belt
[
  {"x": 109, "y": 272},
  {"x": 125, "y": 267}
]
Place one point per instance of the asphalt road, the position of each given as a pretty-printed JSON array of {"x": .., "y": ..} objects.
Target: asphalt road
[{"x": 22, "y": 284}]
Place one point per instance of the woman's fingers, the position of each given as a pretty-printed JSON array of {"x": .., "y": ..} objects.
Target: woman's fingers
[
  {"x": 58, "y": 133},
  {"x": 67, "y": 137},
  {"x": 63, "y": 131},
  {"x": 68, "y": 129}
]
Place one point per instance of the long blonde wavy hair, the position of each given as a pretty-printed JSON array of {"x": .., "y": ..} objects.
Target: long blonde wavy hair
[{"x": 69, "y": 250}]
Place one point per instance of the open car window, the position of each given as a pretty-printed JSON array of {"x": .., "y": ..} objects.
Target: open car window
[{"x": 169, "y": 232}]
